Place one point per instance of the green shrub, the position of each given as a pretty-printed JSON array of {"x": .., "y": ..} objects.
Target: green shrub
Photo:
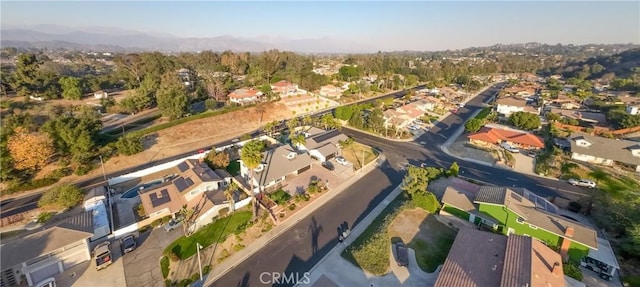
[
  {"x": 168, "y": 283},
  {"x": 44, "y": 217},
  {"x": 572, "y": 270},
  {"x": 238, "y": 247},
  {"x": 164, "y": 266},
  {"x": 292, "y": 206},
  {"x": 195, "y": 277},
  {"x": 184, "y": 283},
  {"x": 280, "y": 197},
  {"x": 206, "y": 269},
  {"x": 64, "y": 196},
  {"x": 426, "y": 201},
  {"x": 156, "y": 223}
]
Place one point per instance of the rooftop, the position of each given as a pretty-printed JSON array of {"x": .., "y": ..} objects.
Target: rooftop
[
  {"x": 280, "y": 162},
  {"x": 617, "y": 150},
  {"x": 494, "y": 135}
]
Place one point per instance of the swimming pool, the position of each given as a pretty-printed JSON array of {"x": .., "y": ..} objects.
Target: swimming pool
[{"x": 133, "y": 192}]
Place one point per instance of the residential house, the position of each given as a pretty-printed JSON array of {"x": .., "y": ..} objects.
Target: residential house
[
  {"x": 564, "y": 102},
  {"x": 604, "y": 151},
  {"x": 284, "y": 88},
  {"x": 633, "y": 109},
  {"x": 195, "y": 180},
  {"x": 325, "y": 145},
  {"x": 46, "y": 252},
  {"x": 597, "y": 119},
  {"x": 623, "y": 98},
  {"x": 511, "y": 210},
  {"x": 509, "y": 105},
  {"x": 487, "y": 136},
  {"x": 245, "y": 96},
  {"x": 529, "y": 77},
  {"x": 187, "y": 77},
  {"x": 484, "y": 259},
  {"x": 277, "y": 164},
  {"x": 331, "y": 91},
  {"x": 402, "y": 116}
]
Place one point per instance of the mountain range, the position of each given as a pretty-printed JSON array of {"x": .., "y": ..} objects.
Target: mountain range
[{"x": 117, "y": 39}]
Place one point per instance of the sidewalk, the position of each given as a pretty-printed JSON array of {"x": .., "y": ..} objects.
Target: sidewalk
[{"x": 221, "y": 269}]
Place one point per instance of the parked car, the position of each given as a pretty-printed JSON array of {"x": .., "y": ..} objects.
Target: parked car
[
  {"x": 328, "y": 165},
  {"x": 402, "y": 254},
  {"x": 173, "y": 224},
  {"x": 582, "y": 182},
  {"x": 342, "y": 160},
  {"x": 102, "y": 254},
  {"x": 127, "y": 244},
  {"x": 455, "y": 111},
  {"x": 509, "y": 148}
]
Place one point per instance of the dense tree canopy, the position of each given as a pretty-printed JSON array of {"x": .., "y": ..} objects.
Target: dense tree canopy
[{"x": 524, "y": 120}]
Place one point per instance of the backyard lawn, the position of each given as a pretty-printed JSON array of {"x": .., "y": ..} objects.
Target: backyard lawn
[
  {"x": 185, "y": 247},
  {"x": 354, "y": 154}
]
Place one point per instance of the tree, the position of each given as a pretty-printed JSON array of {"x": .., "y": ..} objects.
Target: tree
[
  {"x": 292, "y": 124},
  {"x": 348, "y": 73},
  {"x": 25, "y": 78},
  {"x": 30, "y": 151},
  {"x": 524, "y": 120},
  {"x": 415, "y": 181},
  {"x": 129, "y": 144},
  {"x": 553, "y": 117},
  {"x": 375, "y": 120},
  {"x": 229, "y": 192},
  {"x": 71, "y": 88},
  {"x": 188, "y": 220},
  {"x": 473, "y": 125},
  {"x": 454, "y": 169},
  {"x": 172, "y": 97},
  {"x": 599, "y": 175},
  {"x": 251, "y": 157},
  {"x": 218, "y": 160},
  {"x": 64, "y": 196},
  {"x": 136, "y": 102},
  {"x": 329, "y": 122},
  {"x": 298, "y": 140}
]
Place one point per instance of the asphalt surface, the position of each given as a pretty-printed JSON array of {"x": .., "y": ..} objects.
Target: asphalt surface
[{"x": 297, "y": 250}]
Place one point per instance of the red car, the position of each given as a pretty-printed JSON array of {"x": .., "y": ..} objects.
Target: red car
[{"x": 455, "y": 111}]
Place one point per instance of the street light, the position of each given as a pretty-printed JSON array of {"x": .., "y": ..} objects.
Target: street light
[{"x": 198, "y": 247}]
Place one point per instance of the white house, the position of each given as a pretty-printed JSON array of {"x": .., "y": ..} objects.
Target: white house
[
  {"x": 509, "y": 105},
  {"x": 633, "y": 109},
  {"x": 604, "y": 151},
  {"x": 245, "y": 96},
  {"x": 323, "y": 145}
]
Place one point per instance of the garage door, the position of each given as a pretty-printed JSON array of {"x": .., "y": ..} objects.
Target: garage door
[
  {"x": 330, "y": 156},
  {"x": 44, "y": 273},
  {"x": 74, "y": 260},
  {"x": 304, "y": 169}
]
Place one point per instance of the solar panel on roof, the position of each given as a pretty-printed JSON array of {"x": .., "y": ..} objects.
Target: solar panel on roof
[
  {"x": 188, "y": 181},
  {"x": 180, "y": 184},
  {"x": 160, "y": 198},
  {"x": 325, "y": 136},
  {"x": 183, "y": 166}
]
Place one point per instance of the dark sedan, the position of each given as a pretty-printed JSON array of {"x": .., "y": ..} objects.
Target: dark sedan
[
  {"x": 402, "y": 254},
  {"x": 128, "y": 244}
]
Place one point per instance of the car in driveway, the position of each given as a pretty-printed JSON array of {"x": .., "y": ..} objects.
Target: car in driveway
[
  {"x": 509, "y": 148},
  {"x": 582, "y": 182},
  {"x": 402, "y": 254},
  {"x": 127, "y": 244},
  {"x": 342, "y": 160},
  {"x": 328, "y": 165},
  {"x": 173, "y": 224}
]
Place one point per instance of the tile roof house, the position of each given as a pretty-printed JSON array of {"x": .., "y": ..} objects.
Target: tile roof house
[
  {"x": 599, "y": 150},
  {"x": 489, "y": 136},
  {"x": 46, "y": 252},
  {"x": 331, "y": 91},
  {"x": 194, "y": 181},
  {"x": 519, "y": 211},
  {"x": 509, "y": 105},
  {"x": 599, "y": 119},
  {"x": 483, "y": 259},
  {"x": 284, "y": 88},
  {"x": 402, "y": 116},
  {"x": 245, "y": 96}
]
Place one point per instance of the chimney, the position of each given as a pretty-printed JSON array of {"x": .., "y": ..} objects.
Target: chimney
[
  {"x": 568, "y": 232},
  {"x": 556, "y": 269}
]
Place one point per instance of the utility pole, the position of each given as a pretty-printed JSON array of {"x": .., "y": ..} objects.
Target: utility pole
[
  {"x": 109, "y": 194},
  {"x": 198, "y": 247}
]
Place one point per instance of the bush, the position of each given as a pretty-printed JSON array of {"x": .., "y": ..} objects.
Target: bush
[
  {"x": 130, "y": 144},
  {"x": 426, "y": 201},
  {"x": 164, "y": 266},
  {"x": 63, "y": 196},
  {"x": 280, "y": 197},
  {"x": 292, "y": 206},
  {"x": 572, "y": 270},
  {"x": 44, "y": 217},
  {"x": 238, "y": 247},
  {"x": 195, "y": 277},
  {"x": 206, "y": 269},
  {"x": 156, "y": 223}
]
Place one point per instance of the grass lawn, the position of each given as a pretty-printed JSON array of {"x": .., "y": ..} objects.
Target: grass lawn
[
  {"x": 432, "y": 251},
  {"x": 370, "y": 251},
  {"x": 234, "y": 167},
  {"x": 353, "y": 154},
  {"x": 217, "y": 231}
]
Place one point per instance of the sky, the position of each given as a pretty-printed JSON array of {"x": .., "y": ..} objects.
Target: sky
[{"x": 386, "y": 25}]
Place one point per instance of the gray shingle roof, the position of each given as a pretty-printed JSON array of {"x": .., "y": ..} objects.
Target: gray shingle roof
[
  {"x": 617, "y": 150},
  {"x": 277, "y": 164}
]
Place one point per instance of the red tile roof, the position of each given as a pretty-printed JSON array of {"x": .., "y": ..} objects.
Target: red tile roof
[
  {"x": 493, "y": 135},
  {"x": 283, "y": 84},
  {"x": 243, "y": 93}
]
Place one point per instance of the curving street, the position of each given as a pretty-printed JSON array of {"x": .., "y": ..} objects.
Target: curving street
[{"x": 297, "y": 251}]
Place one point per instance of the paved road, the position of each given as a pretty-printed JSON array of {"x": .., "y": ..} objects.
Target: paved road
[{"x": 298, "y": 251}]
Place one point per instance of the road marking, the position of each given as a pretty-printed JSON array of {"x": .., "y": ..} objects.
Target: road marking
[
  {"x": 511, "y": 178},
  {"x": 386, "y": 202}
]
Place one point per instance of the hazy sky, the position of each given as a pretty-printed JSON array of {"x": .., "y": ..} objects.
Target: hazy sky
[{"x": 386, "y": 25}]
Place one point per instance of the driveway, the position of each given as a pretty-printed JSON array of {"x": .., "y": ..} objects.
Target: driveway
[
  {"x": 85, "y": 274},
  {"x": 142, "y": 266},
  {"x": 524, "y": 164},
  {"x": 300, "y": 182}
]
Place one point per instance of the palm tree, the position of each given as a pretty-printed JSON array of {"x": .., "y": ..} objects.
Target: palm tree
[
  {"x": 229, "y": 192},
  {"x": 598, "y": 175},
  {"x": 298, "y": 140},
  {"x": 251, "y": 156},
  {"x": 307, "y": 120},
  {"x": 187, "y": 220},
  {"x": 292, "y": 124},
  {"x": 268, "y": 128}
]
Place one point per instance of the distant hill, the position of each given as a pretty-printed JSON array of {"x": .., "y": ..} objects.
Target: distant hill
[
  {"x": 64, "y": 38},
  {"x": 621, "y": 64}
]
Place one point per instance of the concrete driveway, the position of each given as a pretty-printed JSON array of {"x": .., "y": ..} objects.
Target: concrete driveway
[
  {"x": 142, "y": 266},
  {"x": 300, "y": 182},
  {"x": 524, "y": 164},
  {"x": 85, "y": 274}
]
